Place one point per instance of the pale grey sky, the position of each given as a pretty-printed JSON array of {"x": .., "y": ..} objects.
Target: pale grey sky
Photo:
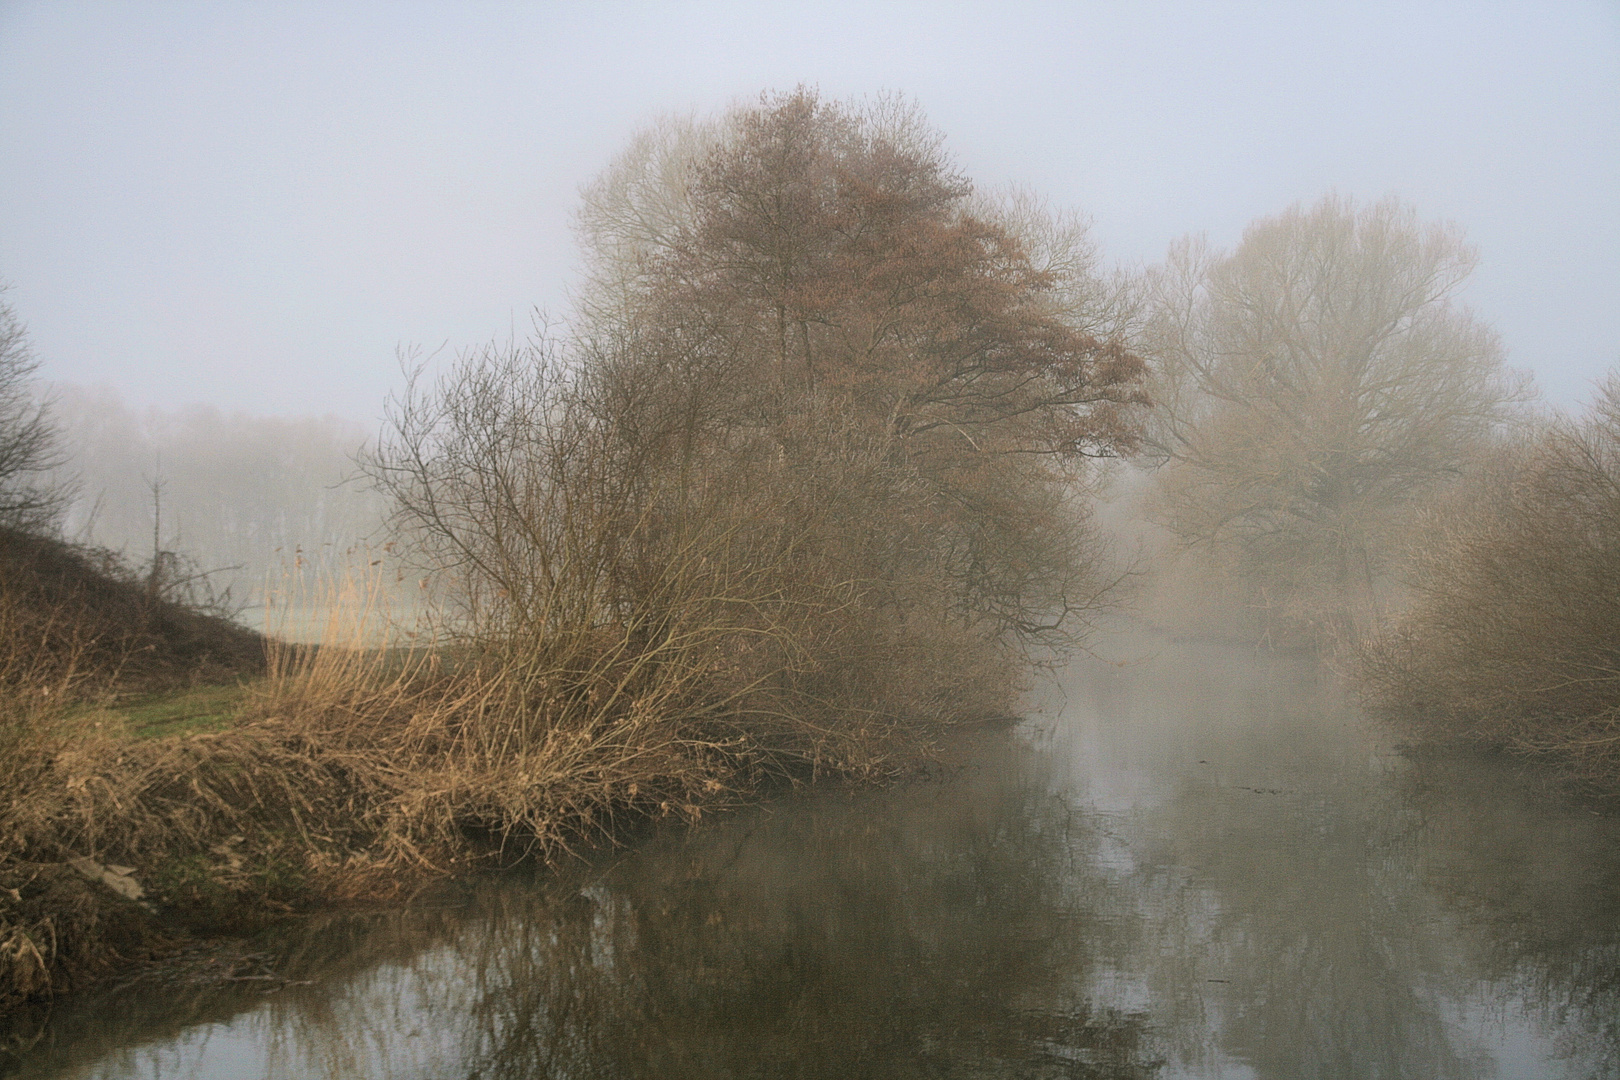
[{"x": 252, "y": 205}]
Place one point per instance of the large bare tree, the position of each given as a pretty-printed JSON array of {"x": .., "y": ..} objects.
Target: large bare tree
[
  {"x": 805, "y": 258},
  {"x": 820, "y": 418},
  {"x": 1311, "y": 386}
]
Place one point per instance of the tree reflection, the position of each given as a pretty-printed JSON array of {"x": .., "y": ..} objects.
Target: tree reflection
[
  {"x": 880, "y": 934},
  {"x": 1533, "y": 881},
  {"x": 939, "y": 930},
  {"x": 1216, "y": 875},
  {"x": 1282, "y": 927}
]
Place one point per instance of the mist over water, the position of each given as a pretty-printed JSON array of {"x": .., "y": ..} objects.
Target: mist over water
[
  {"x": 1190, "y": 860},
  {"x": 827, "y": 425}
]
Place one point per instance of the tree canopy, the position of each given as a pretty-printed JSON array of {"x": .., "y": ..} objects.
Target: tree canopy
[
  {"x": 838, "y": 253},
  {"x": 816, "y": 429},
  {"x": 1313, "y": 384},
  {"x": 806, "y": 266}
]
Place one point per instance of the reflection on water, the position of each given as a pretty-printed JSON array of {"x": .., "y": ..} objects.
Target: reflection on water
[{"x": 1188, "y": 864}]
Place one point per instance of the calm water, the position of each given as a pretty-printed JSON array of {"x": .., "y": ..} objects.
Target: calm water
[{"x": 1190, "y": 862}]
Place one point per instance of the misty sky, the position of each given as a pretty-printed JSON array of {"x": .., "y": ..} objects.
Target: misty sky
[{"x": 252, "y": 205}]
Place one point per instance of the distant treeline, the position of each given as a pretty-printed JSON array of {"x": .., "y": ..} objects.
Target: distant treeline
[{"x": 246, "y": 500}]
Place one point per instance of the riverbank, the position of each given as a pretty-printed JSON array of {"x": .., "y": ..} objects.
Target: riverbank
[
  {"x": 350, "y": 772},
  {"x": 99, "y": 662},
  {"x": 1185, "y": 850},
  {"x": 343, "y": 777}
]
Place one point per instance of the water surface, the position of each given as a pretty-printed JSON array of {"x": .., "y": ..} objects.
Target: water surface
[{"x": 1190, "y": 862}]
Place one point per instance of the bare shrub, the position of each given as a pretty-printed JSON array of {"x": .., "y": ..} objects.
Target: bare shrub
[
  {"x": 29, "y": 447},
  {"x": 1514, "y": 638},
  {"x": 603, "y": 580}
]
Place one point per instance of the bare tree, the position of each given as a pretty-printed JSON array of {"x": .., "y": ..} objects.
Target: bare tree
[
  {"x": 28, "y": 439},
  {"x": 804, "y": 259},
  {"x": 636, "y": 209},
  {"x": 1312, "y": 386},
  {"x": 808, "y": 463}
]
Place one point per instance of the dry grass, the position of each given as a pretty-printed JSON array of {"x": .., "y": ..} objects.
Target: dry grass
[
  {"x": 1514, "y": 638},
  {"x": 82, "y": 620},
  {"x": 535, "y": 713},
  {"x": 674, "y": 561},
  {"x": 355, "y": 771}
]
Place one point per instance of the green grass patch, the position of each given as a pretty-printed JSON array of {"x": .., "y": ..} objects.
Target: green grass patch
[{"x": 182, "y": 712}]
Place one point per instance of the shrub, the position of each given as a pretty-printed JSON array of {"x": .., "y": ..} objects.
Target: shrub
[{"x": 1514, "y": 636}]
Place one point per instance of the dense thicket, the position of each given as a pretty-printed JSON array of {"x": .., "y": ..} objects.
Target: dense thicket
[
  {"x": 1514, "y": 636},
  {"x": 812, "y": 453}
]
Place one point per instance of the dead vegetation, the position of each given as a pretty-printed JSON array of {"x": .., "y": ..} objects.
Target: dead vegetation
[
  {"x": 354, "y": 772},
  {"x": 1514, "y": 636},
  {"x": 807, "y": 486},
  {"x": 83, "y": 621}
]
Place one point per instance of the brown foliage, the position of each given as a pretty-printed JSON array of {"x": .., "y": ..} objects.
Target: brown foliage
[
  {"x": 1514, "y": 638},
  {"x": 76, "y": 626},
  {"x": 812, "y": 458},
  {"x": 840, "y": 253},
  {"x": 823, "y": 288}
]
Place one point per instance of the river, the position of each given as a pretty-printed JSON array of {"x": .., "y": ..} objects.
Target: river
[{"x": 1189, "y": 861}]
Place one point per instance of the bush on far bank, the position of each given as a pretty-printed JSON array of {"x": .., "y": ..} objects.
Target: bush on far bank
[{"x": 1513, "y": 637}]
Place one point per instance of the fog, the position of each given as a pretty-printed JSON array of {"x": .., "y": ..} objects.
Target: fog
[
  {"x": 1127, "y": 494},
  {"x": 226, "y": 212},
  {"x": 249, "y": 502},
  {"x": 250, "y": 207},
  {"x": 1198, "y": 866}
]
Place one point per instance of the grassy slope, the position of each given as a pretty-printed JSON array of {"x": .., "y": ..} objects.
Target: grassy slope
[
  {"x": 91, "y": 660},
  {"x": 191, "y": 710}
]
